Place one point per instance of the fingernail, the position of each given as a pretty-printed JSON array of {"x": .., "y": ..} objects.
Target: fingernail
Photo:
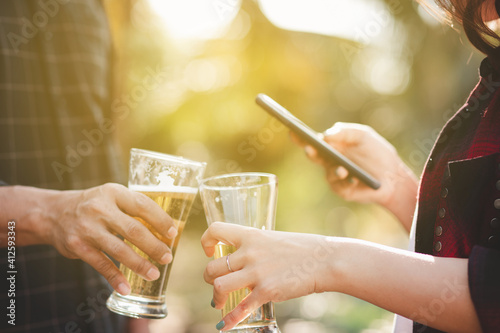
[
  {"x": 167, "y": 258},
  {"x": 172, "y": 232},
  {"x": 123, "y": 289},
  {"x": 212, "y": 303},
  {"x": 341, "y": 172},
  {"x": 337, "y": 172},
  {"x": 153, "y": 273},
  {"x": 309, "y": 150},
  {"x": 220, "y": 325}
]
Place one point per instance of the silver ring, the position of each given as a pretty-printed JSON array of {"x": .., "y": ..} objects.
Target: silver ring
[{"x": 227, "y": 263}]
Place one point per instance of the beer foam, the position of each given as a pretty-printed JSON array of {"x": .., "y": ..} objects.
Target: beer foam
[
  {"x": 165, "y": 184},
  {"x": 159, "y": 188}
]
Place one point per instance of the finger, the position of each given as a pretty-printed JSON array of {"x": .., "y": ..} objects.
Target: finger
[
  {"x": 218, "y": 267},
  {"x": 226, "y": 284},
  {"x": 309, "y": 150},
  {"x": 106, "y": 268},
  {"x": 350, "y": 189},
  {"x": 335, "y": 174},
  {"x": 138, "y": 234},
  {"x": 297, "y": 140},
  {"x": 341, "y": 172},
  {"x": 345, "y": 186},
  {"x": 243, "y": 310},
  {"x": 227, "y": 233},
  {"x": 337, "y": 127},
  {"x": 117, "y": 248},
  {"x": 139, "y": 205},
  {"x": 313, "y": 155}
]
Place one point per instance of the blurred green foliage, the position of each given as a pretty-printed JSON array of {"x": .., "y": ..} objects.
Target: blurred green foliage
[{"x": 203, "y": 108}]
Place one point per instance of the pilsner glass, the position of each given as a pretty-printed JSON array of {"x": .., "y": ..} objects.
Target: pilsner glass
[
  {"x": 247, "y": 199},
  {"x": 172, "y": 182}
]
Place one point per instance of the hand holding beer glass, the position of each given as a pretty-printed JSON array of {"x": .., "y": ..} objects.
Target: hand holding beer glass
[
  {"x": 172, "y": 182},
  {"x": 247, "y": 199}
]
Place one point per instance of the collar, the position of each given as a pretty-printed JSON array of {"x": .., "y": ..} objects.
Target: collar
[{"x": 490, "y": 66}]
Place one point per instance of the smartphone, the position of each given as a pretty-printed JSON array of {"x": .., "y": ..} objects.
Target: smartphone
[{"x": 314, "y": 139}]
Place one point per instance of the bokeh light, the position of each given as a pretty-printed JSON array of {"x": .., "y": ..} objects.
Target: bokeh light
[
  {"x": 344, "y": 19},
  {"x": 384, "y": 63},
  {"x": 196, "y": 19}
]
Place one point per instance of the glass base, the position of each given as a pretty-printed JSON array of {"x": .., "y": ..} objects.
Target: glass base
[
  {"x": 136, "y": 306},
  {"x": 271, "y": 328}
]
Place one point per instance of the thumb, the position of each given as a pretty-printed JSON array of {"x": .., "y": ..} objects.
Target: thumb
[
  {"x": 344, "y": 134},
  {"x": 227, "y": 233}
]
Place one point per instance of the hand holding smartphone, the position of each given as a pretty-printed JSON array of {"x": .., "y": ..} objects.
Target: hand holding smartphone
[{"x": 313, "y": 138}]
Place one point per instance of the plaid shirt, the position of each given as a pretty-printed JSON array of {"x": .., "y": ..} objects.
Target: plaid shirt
[
  {"x": 55, "y": 132},
  {"x": 459, "y": 200}
]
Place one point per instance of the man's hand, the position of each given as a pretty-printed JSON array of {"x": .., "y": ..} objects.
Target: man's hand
[{"x": 86, "y": 225}]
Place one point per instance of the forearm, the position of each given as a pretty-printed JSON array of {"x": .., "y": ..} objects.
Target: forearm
[
  {"x": 403, "y": 200},
  {"x": 431, "y": 290},
  {"x": 28, "y": 207}
]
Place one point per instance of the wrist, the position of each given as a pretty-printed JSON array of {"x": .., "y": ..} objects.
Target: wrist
[
  {"x": 349, "y": 267},
  {"x": 33, "y": 212},
  {"x": 403, "y": 183},
  {"x": 403, "y": 196},
  {"x": 333, "y": 259}
]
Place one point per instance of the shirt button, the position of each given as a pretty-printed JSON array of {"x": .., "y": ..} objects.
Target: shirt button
[
  {"x": 493, "y": 240},
  {"x": 444, "y": 192},
  {"x": 498, "y": 185},
  {"x": 497, "y": 204},
  {"x": 442, "y": 212},
  {"x": 495, "y": 223},
  {"x": 430, "y": 162},
  {"x": 439, "y": 230},
  {"x": 438, "y": 246}
]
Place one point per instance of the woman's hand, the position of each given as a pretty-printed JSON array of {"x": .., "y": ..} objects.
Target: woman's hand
[
  {"x": 365, "y": 147},
  {"x": 275, "y": 266},
  {"x": 85, "y": 225}
]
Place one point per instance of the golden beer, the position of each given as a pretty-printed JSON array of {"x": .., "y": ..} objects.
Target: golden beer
[
  {"x": 172, "y": 182},
  {"x": 260, "y": 317},
  {"x": 177, "y": 203}
]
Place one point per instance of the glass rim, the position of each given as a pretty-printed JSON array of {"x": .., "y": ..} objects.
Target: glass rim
[
  {"x": 167, "y": 157},
  {"x": 272, "y": 179}
]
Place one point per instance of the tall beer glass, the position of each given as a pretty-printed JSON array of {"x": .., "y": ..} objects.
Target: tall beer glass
[
  {"x": 248, "y": 199},
  {"x": 172, "y": 182}
]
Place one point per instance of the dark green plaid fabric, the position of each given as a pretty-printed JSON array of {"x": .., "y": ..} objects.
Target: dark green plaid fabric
[{"x": 55, "y": 132}]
